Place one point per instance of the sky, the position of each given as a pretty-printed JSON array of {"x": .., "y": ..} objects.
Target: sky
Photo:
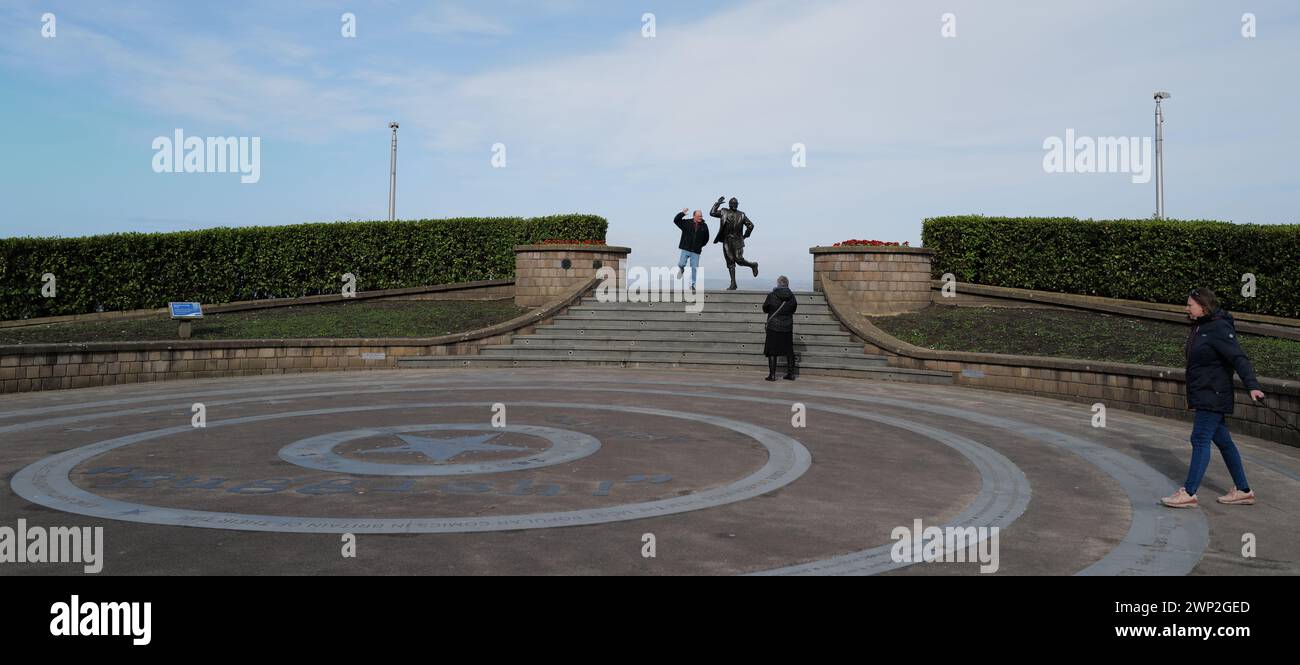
[{"x": 902, "y": 113}]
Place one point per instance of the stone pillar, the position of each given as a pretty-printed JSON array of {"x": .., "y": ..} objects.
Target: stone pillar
[
  {"x": 542, "y": 272},
  {"x": 882, "y": 280}
]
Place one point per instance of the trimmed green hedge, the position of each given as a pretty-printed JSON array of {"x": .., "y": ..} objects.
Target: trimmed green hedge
[
  {"x": 1148, "y": 260},
  {"x": 145, "y": 270}
]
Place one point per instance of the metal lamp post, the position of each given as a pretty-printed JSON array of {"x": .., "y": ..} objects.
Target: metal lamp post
[
  {"x": 392, "y": 176},
  {"x": 1160, "y": 155}
]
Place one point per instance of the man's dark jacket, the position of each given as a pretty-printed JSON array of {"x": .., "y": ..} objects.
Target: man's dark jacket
[
  {"x": 1213, "y": 353},
  {"x": 693, "y": 238}
]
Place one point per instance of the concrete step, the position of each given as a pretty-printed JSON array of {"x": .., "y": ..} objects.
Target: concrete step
[
  {"x": 747, "y": 297},
  {"x": 809, "y": 368},
  {"x": 727, "y": 335},
  {"x": 723, "y": 344},
  {"x": 752, "y": 355},
  {"x": 742, "y": 308},
  {"x": 572, "y": 323},
  {"x": 691, "y": 336},
  {"x": 679, "y": 315}
]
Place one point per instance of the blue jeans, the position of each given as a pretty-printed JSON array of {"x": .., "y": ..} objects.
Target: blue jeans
[
  {"x": 693, "y": 258},
  {"x": 1210, "y": 426}
]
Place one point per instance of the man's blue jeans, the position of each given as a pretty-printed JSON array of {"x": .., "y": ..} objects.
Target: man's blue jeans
[
  {"x": 1213, "y": 427},
  {"x": 693, "y": 258}
]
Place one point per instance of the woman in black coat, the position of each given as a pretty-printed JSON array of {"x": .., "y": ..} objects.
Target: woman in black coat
[
  {"x": 1213, "y": 353},
  {"x": 779, "y": 307}
]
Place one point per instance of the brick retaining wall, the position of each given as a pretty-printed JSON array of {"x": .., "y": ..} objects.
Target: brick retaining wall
[{"x": 57, "y": 366}]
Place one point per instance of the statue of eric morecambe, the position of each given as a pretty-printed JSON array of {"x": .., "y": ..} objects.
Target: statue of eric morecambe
[{"x": 733, "y": 230}]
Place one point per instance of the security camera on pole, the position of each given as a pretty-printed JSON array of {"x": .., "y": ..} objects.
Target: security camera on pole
[{"x": 1160, "y": 155}]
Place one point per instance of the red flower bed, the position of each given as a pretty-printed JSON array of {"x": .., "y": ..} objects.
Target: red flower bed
[
  {"x": 869, "y": 243},
  {"x": 554, "y": 241}
]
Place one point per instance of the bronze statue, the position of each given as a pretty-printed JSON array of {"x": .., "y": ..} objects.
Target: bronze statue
[{"x": 733, "y": 230}]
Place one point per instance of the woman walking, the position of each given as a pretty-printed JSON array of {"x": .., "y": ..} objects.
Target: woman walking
[
  {"x": 779, "y": 307},
  {"x": 1212, "y": 354}
]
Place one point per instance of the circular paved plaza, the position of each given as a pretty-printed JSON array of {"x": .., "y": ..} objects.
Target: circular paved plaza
[{"x": 586, "y": 471}]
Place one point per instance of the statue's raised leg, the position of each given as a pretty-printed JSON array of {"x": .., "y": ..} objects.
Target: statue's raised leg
[{"x": 739, "y": 257}]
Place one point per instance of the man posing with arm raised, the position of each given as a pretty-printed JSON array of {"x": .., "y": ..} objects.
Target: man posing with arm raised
[{"x": 695, "y": 235}]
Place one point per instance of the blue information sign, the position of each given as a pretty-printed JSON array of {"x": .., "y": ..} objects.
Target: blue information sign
[{"x": 186, "y": 310}]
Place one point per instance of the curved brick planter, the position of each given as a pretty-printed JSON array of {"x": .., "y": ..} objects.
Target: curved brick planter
[
  {"x": 880, "y": 280},
  {"x": 542, "y": 272}
]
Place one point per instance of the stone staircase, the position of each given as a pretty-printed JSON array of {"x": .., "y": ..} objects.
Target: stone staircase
[{"x": 726, "y": 335}]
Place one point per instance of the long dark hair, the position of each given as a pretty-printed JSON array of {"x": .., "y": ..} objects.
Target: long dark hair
[{"x": 1206, "y": 299}]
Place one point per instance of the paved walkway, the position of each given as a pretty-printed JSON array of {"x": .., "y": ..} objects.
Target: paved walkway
[{"x": 589, "y": 463}]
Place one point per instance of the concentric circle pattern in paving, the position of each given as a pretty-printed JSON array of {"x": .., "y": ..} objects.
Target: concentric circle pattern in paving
[{"x": 574, "y": 471}]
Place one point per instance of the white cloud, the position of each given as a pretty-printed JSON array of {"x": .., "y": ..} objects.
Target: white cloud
[
  {"x": 837, "y": 76},
  {"x": 263, "y": 84}
]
